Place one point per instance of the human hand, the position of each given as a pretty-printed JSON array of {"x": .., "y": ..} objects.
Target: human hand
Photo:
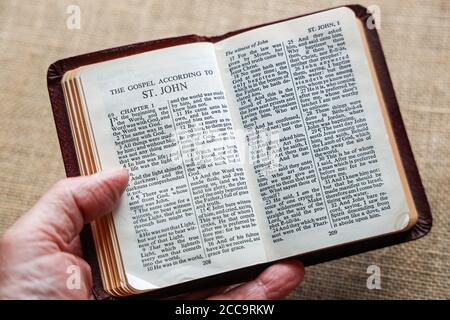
[
  {"x": 37, "y": 250},
  {"x": 274, "y": 283}
]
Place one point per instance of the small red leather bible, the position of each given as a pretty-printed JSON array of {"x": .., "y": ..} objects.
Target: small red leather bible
[{"x": 345, "y": 180}]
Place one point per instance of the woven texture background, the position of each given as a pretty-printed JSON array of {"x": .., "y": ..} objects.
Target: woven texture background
[{"x": 416, "y": 40}]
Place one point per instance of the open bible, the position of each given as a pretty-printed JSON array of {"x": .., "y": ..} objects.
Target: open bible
[{"x": 259, "y": 145}]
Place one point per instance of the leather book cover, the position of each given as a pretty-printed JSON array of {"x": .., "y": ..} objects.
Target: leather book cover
[{"x": 422, "y": 227}]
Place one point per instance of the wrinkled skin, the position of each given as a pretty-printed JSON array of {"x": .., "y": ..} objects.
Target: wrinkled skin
[{"x": 37, "y": 250}]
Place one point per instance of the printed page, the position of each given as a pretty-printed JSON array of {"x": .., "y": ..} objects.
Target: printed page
[
  {"x": 187, "y": 212},
  {"x": 323, "y": 165}
]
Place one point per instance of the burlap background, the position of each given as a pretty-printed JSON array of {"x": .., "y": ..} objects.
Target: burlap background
[{"x": 416, "y": 41}]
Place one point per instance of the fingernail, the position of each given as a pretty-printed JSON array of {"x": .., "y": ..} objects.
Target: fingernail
[{"x": 112, "y": 172}]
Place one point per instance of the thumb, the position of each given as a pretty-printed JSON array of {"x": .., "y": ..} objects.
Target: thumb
[{"x": 61, "y": 213}]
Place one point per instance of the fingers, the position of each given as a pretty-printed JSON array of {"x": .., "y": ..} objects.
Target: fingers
[
  {"x": 75, "y": 247},
  {"x": 276, "y": 282},
  {"x": 78, "y": 281},
  {"x": 61, "y": 213}
]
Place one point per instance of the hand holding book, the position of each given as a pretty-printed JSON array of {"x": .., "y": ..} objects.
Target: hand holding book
[
  {"x": 54, "y": 267},
  {"x": 187, "y": 117}
]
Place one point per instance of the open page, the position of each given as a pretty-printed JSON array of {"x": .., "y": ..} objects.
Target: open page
[
  {"x": 187, "y": 212},
  {"x": 305, "y": 85}
]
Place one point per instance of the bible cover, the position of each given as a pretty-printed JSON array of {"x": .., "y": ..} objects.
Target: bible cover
[{"x": 422, "y": 227}]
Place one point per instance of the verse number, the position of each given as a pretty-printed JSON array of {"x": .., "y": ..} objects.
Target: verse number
[{"x": 332, "y": 233}]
